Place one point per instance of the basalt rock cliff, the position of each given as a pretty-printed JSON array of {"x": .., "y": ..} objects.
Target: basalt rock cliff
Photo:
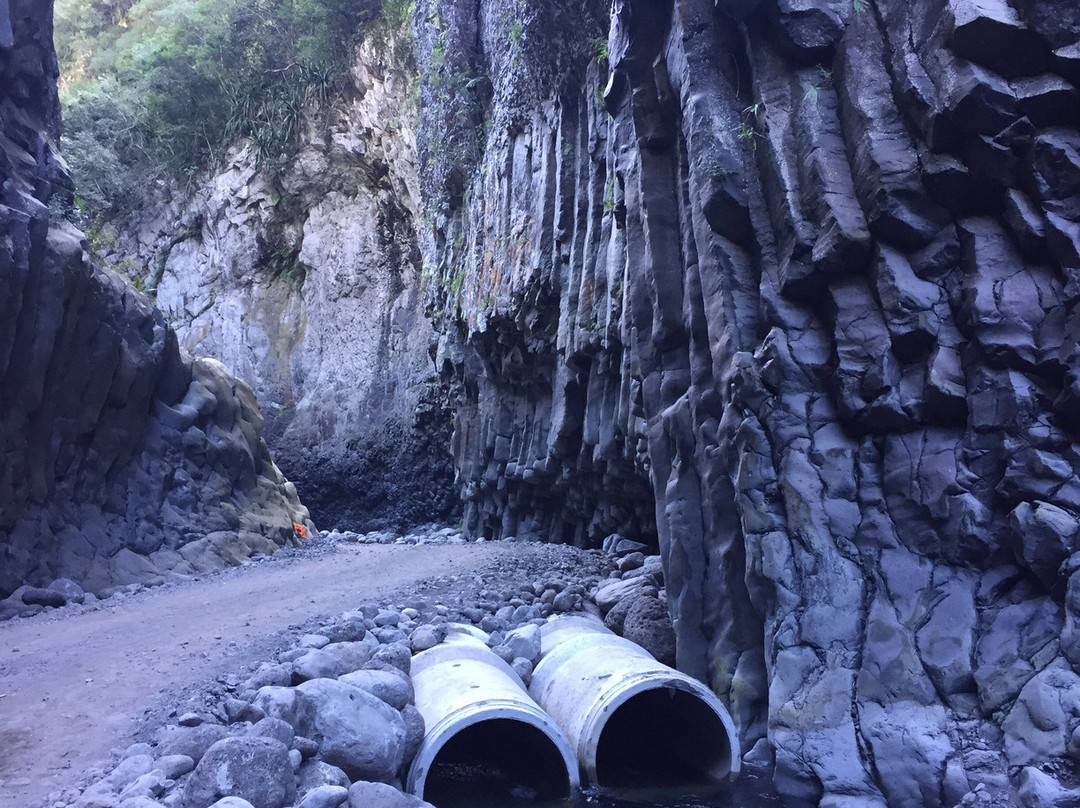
[
  {"x": 121, "y": 460},
  {"x": 785, "y": 287},
  {"x": 789, "y": 287}
]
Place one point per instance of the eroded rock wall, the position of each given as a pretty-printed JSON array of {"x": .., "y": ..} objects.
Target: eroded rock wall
[
  {"x": 308, "y": 286},
  {"x": 121, "y": 460},
  {"x": 793, "y": 287}
]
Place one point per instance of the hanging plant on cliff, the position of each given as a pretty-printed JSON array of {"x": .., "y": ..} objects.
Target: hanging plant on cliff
[{"x": 154, "y": 88}]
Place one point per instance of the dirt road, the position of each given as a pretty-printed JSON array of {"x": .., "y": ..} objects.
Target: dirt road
[{"x": 73, "y": 688}]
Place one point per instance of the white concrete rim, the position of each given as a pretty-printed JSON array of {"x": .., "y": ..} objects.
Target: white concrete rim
[
  {"x": 639, "y": 683},
  {"x": 478, "y": 712}
]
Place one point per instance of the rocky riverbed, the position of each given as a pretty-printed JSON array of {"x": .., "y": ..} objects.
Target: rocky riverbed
[{"x": 327, "y": 719}]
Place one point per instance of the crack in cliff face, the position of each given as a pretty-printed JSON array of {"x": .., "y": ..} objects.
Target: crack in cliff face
[{"x": 841, "y": 295}]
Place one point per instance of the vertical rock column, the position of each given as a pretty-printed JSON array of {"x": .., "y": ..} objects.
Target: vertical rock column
[{"x": 531, "y": 274}]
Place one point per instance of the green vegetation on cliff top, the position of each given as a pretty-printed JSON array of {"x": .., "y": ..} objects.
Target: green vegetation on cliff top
[{"x": 153, "y": 88}]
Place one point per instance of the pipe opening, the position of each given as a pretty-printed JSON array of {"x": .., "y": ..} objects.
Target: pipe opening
[
  {"x": 500, "y": 761},
  {"x": 663, "y": 738}
]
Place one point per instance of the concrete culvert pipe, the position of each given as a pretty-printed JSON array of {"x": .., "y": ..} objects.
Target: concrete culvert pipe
[
  {"x": 487, "y": 742},
  {"x": 636, "y": 725}
]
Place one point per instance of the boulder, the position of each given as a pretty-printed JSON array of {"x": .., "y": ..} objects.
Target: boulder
[
  {"x": 272, "y": 727},
  {"x": 648, "y": 623},
  {"x": 396, "y": 654},
  {"x": 325, "y": 797},
  {"x": 129, "y": 770},
  {"x": 652, "y": 568},
  {"x": 356, "y": 731},
  {"x": 414, "y": 734},
  {"x": 425, "y": 637},
  {"x": 286, "y": 703},
  {"x": 190, "y": 742},
  {"x": 610, "y": 593},
  {"x": 253, "y": 769},
  {"x": 35, "y": 596},
  {"x": 174, "y": 766},
  {"x": 270, "y": 674},
  {"x": 68, "y": 589},
  {"x": 1040, "y": 790},
  {"x": 139, "y": 802},
  {"x": 522, "y": 642},
  {"x": 380, "y": 795},
  {"x": 1045, "y": 535},
  {"x": 523, "y": 668},
  {"x": 391, "y": 686},
  {"x": 333, "y": 660},
  {"x": 315, "y": 773},
  {"x": 350, "y": 627},
  {"x": 150, "y": 785}
]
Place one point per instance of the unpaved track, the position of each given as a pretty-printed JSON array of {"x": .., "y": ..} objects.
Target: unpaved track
[{"x": 72, "y": 689}]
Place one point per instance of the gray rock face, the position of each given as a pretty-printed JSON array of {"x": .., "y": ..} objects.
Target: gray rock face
[
  {"x": 788, "y": 290},
  {"x": 122, "y": 460},
  {"x": 310, "y": 289}
]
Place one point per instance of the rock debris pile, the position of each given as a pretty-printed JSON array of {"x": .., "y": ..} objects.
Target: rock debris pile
[{"x": 330, "y": 721}]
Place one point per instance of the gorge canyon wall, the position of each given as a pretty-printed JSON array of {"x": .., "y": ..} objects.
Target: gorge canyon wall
[
  {"x": 121, "y": 459},
  {"x": 790, "y": 288},
  {"x": 308, "y": 286},
  {"x": 787, "y": 288}
]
